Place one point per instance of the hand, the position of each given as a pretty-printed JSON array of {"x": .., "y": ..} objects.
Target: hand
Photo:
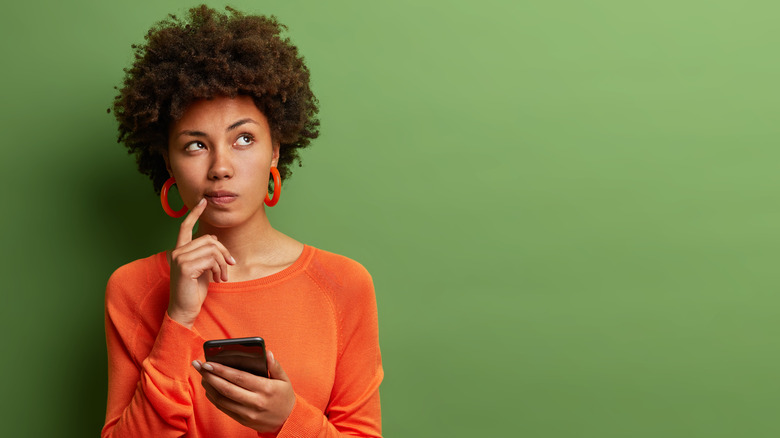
[
  {"x": 192, "y": 263},
  {"x": 256, "y": 402}
]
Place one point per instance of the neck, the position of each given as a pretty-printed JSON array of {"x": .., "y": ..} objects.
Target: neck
[
  {"x": 258, "y": 248},
  {"x": 245, "y": 242}
]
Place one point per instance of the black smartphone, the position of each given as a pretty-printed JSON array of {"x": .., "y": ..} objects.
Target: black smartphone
[{"x": 245, "y": 354}]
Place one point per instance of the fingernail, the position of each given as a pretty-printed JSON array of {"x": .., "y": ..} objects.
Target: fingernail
[
  {"x": 207, "y": 366},
  {"x": 232, "y": 260},
  {"x": 202, "y": 200},
  {"x": 196, "y": 365},
  {"x": 270, "y": 355}
]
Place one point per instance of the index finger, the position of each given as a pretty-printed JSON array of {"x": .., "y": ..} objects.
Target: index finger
[{"x": 185, "y": 230}]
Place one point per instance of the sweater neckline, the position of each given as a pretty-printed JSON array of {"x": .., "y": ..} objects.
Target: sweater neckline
[{"x": 239, "y": 286}]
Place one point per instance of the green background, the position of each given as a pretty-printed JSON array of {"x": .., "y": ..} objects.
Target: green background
[{"x": 570, "y": 209}]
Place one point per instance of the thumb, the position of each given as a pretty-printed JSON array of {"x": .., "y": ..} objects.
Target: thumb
[{"x": 275, "y": 368}]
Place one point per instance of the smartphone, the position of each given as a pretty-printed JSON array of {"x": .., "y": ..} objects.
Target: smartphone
[{"x": 245, "y": 354}]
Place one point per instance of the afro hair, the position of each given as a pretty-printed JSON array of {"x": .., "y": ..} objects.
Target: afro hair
[{"x": 209, "y": 54}]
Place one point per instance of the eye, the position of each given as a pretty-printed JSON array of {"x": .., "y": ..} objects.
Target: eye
[
  {"x": 194, "y": 146},
  {"x": 244, "y": 140}
]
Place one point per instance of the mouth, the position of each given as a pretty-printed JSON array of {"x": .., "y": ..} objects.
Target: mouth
[{"x": 220, "y": 197}]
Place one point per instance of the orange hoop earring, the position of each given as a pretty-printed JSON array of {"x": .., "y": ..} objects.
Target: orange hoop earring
[
  {"x": 164, "y": 199},
  {"x": 277, "y": 188}
]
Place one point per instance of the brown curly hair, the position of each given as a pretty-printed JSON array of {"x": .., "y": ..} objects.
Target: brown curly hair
[{"x": 205, "y": 55}]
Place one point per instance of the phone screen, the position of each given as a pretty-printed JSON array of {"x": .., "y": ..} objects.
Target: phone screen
[{"x": 245, "y": 354}]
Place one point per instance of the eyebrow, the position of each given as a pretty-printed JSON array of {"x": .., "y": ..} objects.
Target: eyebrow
[
  {"x": 229, "y": 128},
  {"x": 239, "y": 123}
]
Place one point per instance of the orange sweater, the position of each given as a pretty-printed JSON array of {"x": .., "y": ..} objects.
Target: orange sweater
[{"x": 318, "y": 317}]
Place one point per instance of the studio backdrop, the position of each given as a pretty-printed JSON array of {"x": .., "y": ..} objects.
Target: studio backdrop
[{"x": 570, "y": 209}]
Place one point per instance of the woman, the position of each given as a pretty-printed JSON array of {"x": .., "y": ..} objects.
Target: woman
[{"x": 216, "y": 103}]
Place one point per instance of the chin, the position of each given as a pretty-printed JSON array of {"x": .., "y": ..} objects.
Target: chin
[
  {"x": 225, "y": 219},
  {"x": 222, "y": 219}
]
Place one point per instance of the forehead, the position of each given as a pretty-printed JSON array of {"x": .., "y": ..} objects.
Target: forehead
[{"x": 217, "y": 114}]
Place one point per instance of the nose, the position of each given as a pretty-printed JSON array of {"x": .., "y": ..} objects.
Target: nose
[{"x": 221, "y": 165}]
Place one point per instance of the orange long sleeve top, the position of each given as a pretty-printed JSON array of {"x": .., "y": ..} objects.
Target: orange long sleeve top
[{"x": 318, "y": 316}]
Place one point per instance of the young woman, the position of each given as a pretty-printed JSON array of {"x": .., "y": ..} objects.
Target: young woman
[{"x": 217, "y": 103}]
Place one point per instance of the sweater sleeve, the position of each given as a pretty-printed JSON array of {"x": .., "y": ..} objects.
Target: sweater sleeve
[
  {"x": 354, "y": 408},
  {"x": 150, "y": 395}
]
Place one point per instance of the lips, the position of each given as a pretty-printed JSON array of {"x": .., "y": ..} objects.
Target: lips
[{"x": 220, "y": 197}]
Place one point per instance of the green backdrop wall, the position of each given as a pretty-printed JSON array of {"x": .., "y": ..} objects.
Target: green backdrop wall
[{"x": 570, "y": 209}]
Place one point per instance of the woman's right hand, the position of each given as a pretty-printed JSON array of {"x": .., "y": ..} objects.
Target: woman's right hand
[{"x": 193, "y": 264}]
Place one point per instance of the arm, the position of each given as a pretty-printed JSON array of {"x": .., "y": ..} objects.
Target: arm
[
  {"x": 354, "y": 408},
  {"x": 149, "y": 368},
  {"x": 147, "y": 396}
]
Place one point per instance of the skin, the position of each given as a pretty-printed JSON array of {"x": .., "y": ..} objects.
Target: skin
[{"x": 220, "y": 152}]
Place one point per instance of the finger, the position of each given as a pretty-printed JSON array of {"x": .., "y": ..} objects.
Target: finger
[
  {"x": 210, "y": 264},
  {"x": 221, "y": 274},
  {"x": 207, "y": 240},
  {"x": 229, "y": 407},
  {"x": 224, "y": 403},
  {"x": 225, "y": 388},
  {"x": 225, "y": 253},
  {"x": 195, "y": 261},
  {"x": 229, "y": 258},
  {"x": 232, "y": 376},
  {"x": 218, "y": 273},
  {"x": 275, "y": 368},
  {"x": 185, "y": 230},
  {"x": 197, "y": 265}
]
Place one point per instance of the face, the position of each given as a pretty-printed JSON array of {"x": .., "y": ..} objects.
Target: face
[{"x": 221, "y": 149}]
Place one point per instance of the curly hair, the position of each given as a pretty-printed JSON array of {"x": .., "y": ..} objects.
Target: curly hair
[{"x": 205, "y": 55}]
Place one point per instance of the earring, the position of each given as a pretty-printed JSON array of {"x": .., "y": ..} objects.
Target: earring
[
  {"x": 164, "y": 199},
  {"x": 277, "y": 188}
]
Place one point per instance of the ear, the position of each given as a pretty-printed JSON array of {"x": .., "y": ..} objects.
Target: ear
[
  {"x": 274, "y": 157},
  {"x": 167, "y": 162}
]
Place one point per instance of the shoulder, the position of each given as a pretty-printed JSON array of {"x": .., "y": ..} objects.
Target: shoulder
[
  {"x": 140, "y": 271},
  {"x": 130, "y": 282},
  {"x": 350, "y": 289},
  {"x": 337, "y": 270},
  {"x": 340, "y": 277}
]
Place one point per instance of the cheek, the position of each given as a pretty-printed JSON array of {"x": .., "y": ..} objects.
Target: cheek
[
  {"x": 255, "y": 167},
  {"x": 186, "y": 179}
]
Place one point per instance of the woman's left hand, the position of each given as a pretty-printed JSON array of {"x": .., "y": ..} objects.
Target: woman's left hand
[{"x": 256, "y": 402}]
